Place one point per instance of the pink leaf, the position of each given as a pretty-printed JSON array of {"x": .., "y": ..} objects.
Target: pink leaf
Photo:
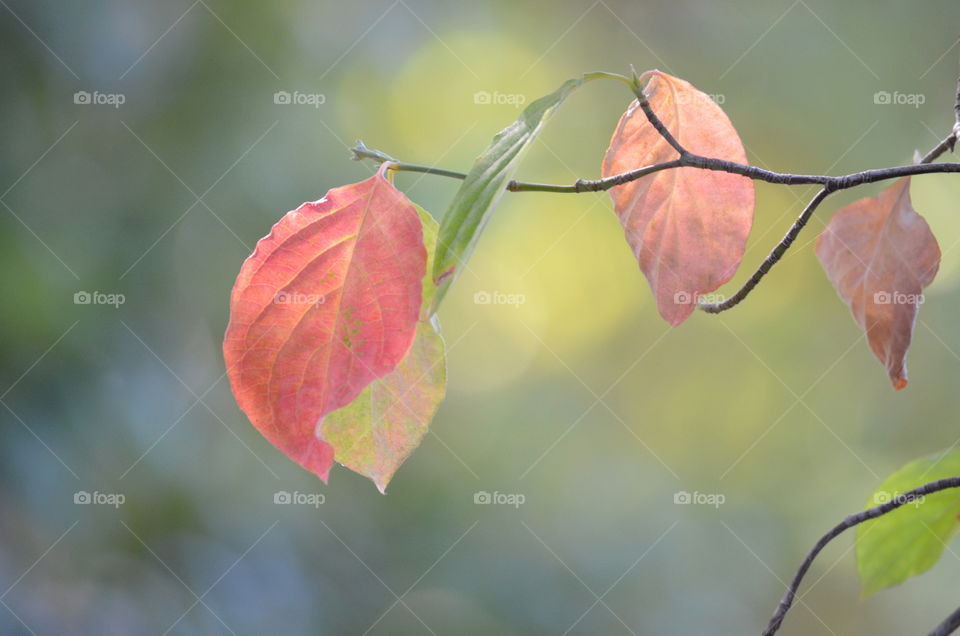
[
  {"x": 688, "y": 227},
  {"x": 327, "y": 303}
]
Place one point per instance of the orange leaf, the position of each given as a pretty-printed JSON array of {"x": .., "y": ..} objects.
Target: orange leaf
[
  {"x": 880, "y": 254},
  {"x": 688, "y": 227},
  {"x": 327, "y": 303}
]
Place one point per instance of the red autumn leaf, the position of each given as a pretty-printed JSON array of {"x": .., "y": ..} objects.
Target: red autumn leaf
[
  {"x": 880, "y": 254},
  {"x": 688, "y": 227},
  {"x": 327, "y": 303}
]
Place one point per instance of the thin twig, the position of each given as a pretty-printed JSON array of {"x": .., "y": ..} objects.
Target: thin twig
[
  {"x": 947, "y": 144},
  {"x": 832, "y": 183},
  {"x": 949, "y": 625},
  {"x": 846, "y": 524},
  {"x": 360, "y": 152},
  {"x": 775, "y": 255},
  {"x": 951, "y": 140},
  {"x": 869, "y": 176},
  {"x": 654, "y": 120},
  {"x": 956, "y": 108}
]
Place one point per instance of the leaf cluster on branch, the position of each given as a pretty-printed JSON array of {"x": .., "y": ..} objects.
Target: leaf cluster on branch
[
  {"x": 333, "y": 348},
  {"x": 334, "y": 351}
]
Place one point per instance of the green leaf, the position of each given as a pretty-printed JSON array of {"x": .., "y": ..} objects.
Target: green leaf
[
  {"x": 484, "y": 185},
  {"x": 374, "y": 434},
  {"x": 909, "y": 540},
  {"x": 430, "y": 230}
]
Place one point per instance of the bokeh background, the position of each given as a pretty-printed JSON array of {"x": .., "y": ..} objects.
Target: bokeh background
[{"x": 579, "y": 398}]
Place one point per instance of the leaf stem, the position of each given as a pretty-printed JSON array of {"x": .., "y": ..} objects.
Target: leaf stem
[
  {"x": 360, "y": 152},
  {"x": 849, "y": 522},
  {"x": 775, "y": 255}
]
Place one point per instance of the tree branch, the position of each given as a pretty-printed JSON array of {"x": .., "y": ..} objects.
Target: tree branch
[
  {"x": 869, "y": 176},
  {"x": 846, "y": 524},
  {"x": 949, "y": 625},
  {"x": 686, "y": 159},
  {"x": 830, "y": 185}
]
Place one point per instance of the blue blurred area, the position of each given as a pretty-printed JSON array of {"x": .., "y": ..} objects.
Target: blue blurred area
[{"x": 145, "y": 153}]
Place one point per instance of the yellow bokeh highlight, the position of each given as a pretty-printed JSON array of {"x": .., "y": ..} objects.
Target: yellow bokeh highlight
[
  {"x": 552, "y": 274},
  {"x": 469, "y": 101}
]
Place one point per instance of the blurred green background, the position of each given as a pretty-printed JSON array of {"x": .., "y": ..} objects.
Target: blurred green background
[{"x": 580, "y": 398}]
